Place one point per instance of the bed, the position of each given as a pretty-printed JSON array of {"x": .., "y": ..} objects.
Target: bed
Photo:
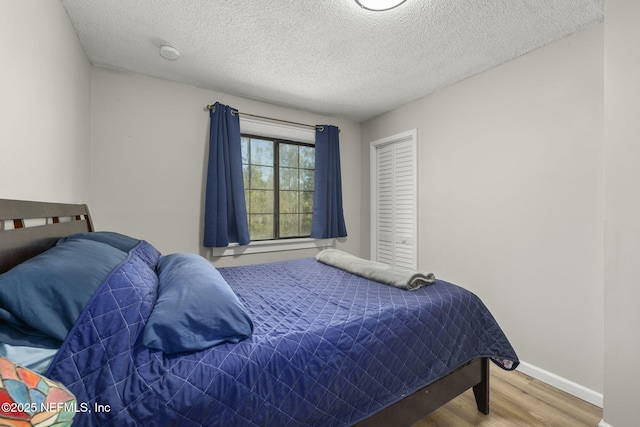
[{"x": 326, "y": 347}]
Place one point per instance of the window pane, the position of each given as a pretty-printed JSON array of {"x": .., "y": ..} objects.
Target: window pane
[
  {"x": 289, "y": 155},
  {"x": 294, "y": 186},
  {"x": 245, "y": 175},
  {"x": 288, "y": 179},
  {"x": 261, "y": 201},
  {"x": 305, "y": 225},
  {"x": 306, "y": 179},
  {"x": 289, "y": 202},
  {"x": 261, "y": 227},
  {"x": 262, "y": 177},
  {"x": 288, "y": 225},
  {"x": 261, "y": 152},
  {"x": 306, "y": 202},
  {"x": 244, "y": 143},
  {"x": 307, "y": 157}
]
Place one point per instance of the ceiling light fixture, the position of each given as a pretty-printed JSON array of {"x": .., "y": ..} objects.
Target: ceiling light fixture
[
  {"x": 169, "y": 52},
  {"x": 379, "y": 5}
]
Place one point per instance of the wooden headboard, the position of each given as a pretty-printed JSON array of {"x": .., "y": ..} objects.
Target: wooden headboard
[{"x": 29, "y": 228}]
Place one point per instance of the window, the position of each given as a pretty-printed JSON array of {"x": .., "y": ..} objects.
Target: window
[{"x": 278, "y": 185}]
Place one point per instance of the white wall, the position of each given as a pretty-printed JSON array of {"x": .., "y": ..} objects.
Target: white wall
[
  {"x": 44, "y": 105},
  {"x": 510, "y": 205},
  {"x": 149, "y": 140},
  {"x": 622, "y": 212}
]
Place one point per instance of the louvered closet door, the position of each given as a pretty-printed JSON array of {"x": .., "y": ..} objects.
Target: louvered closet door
[
  {"x": 394, "y": 196},
  {"x": 385, "y": 219}
]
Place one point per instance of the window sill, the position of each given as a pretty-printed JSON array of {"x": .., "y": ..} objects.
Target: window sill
[{"x": 264, "y": 246}]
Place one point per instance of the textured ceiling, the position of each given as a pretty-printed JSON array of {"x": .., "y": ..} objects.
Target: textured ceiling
[{"x": 325, "y": 56}]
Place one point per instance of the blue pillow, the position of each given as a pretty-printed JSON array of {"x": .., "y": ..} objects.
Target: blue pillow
[
  {"x": 19, "y": 333},
  {"x": 196, "y": 309},
  {"x": 45, "y": 294},
  {"x": 117, "y": 240}
]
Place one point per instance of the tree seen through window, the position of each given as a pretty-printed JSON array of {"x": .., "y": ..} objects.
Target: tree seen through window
[{"x": 278, "y": 183}]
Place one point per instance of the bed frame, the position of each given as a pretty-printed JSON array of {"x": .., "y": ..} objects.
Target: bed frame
[
  {"x": 29, "y": 228},
  {"x": 21, "y": 240}
]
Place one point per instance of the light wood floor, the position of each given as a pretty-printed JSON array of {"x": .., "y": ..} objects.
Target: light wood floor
[{"x": 516, "y": 400}]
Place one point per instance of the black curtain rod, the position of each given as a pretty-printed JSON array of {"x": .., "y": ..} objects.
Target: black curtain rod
[{"x": 321, "y": 128}]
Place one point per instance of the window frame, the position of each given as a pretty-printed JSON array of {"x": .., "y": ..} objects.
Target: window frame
[{"x": 276, "y": 183}]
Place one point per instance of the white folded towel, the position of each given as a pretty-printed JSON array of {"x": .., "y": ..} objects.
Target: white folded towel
[{"x": 398, "y": 277}]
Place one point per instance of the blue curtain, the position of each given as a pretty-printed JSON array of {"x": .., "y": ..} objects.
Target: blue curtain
[
  {"x": 225, "y": 215},
  {"x": 328, "y": 218}
]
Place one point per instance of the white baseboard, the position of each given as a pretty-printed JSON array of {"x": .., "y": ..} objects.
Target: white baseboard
[
  {"x": 603, "y": 424},
  {"x": 563, "y": 384}
]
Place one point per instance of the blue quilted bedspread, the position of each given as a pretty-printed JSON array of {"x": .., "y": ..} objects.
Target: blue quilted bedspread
[{"x": 328, "y": 348}]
